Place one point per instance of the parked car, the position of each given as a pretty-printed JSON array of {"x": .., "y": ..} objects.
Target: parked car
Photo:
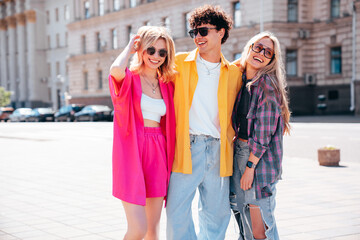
[
  {"x": 94, "y": 113},
  {"x": 67, "y": 113},
  {"x": 5, "y": 113},
  {"x": 20, "y": 114},
  {"x": 40, "y": 115}
]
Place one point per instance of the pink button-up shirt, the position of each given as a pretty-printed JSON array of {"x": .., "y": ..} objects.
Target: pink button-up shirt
[{"x": 128, "y": 178}]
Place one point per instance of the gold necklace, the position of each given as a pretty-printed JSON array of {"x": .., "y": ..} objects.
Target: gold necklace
[{"x": 152, "y": 85}]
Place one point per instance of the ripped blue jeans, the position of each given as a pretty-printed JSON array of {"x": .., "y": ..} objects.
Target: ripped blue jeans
[{"x": 240, "y": 199}]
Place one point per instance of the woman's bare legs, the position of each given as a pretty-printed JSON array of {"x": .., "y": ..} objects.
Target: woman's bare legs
[
  {"x": 136, "y": 221},
  {"x": 257, "y": 222},
  {"x": 143, "y": 221},
  {"x": 153, "y": 213}
]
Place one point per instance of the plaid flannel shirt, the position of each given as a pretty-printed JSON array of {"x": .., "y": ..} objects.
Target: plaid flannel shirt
[{"x": 265, "y": 131}]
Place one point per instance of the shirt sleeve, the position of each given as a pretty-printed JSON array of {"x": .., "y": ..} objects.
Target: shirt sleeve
[
  {"x": 118, "y": 87},
  {"x": 265, "y": 124}
]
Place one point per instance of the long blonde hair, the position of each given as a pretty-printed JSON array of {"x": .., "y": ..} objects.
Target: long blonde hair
[
  {"x": 148, "y": 36},
  {"x": 275, "y": 70}
]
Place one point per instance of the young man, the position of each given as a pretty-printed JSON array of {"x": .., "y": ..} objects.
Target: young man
[{"x": 205, "y": 91}]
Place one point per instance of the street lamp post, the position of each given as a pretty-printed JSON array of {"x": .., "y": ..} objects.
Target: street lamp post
[
  {"x": 63, "y": 94},
  {"x": 353, "y": 78},
  {"x": 60, "y": 93}
]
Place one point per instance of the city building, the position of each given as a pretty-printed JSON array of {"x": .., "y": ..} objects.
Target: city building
[
  {"x": 316, "y": 38},
  {"x": 320, "y": 45},
  {"x": 33, "y": 51}
]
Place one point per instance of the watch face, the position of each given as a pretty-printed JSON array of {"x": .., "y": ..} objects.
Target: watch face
[{"x": 250, "y": 164}]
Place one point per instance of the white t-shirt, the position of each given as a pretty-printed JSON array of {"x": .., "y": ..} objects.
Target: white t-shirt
[{"x": 204, "y": 111}]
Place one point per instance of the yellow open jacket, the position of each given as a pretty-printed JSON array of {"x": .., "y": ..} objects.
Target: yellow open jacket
[{"x": 185, "y": 85}]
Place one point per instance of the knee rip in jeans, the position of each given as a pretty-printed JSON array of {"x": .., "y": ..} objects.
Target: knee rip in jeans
[
  {"x": 232, "y": 198},
  {"x": 263, "y": 221}
]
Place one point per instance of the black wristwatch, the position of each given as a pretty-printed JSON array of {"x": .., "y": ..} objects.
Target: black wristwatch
[{"x": 250, "y": 164}]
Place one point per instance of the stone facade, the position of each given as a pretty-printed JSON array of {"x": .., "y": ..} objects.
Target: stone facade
[
  {"x": 33, "y": 51},
  {"x": 316, "y": 39},
  {"x": 313, "y": 35}
]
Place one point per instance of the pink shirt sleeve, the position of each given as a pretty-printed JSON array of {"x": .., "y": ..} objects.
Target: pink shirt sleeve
[{"x": 118, "y": 88}]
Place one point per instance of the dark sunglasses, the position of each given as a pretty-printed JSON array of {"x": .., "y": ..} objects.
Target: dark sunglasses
[
  {"x": 203, "y": 31},
  {"x": 258, "y": 48},
  {"x": 151, "y": 51}
]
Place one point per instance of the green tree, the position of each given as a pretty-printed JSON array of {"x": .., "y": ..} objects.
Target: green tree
[{"x": 4, "y": 97}]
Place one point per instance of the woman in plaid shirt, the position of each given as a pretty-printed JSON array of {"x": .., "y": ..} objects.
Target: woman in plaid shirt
[{"x": 260, "y": 118}]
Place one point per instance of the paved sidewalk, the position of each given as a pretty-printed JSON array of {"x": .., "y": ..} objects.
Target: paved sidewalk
[{"x": 55, "y": 183}]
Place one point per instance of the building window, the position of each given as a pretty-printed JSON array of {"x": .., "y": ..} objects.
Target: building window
[
  {"x": 335, "y": 54},
  {"x": 333, "y": 95},
  {"x": 57, "y": 40},
  {"x": 116, "y": 5},
  {"x": 66, "y": 39},
  {"x": 114, "y": 39},
  {"x": 132, "y": 3},
  {"x": 57, "y": 14},
  {"x": 7, "y": 42},
  {"x": 57, "y": 68},
  {"x": 101, "y": 10},
  {"x": 237, "y": 14},
  {"x": 237, "y": 56},
  {"x": 129, "y": 29},
  {"x": 86, "y": 81},
  {"x": 151, "y": 1},
  {"x": 100, "y": 79},
  {"x": 98, "y": 42},
  {"x": 292, "y": 10},
  {"x": 83, "y": 44},
  {"x": 87, "y": 9},
  {"x": 187, "y": 24},
  {"x": 49, "y": 41},
  {"x": 291, "y": 62},
  {"x": 335, "y": 8},
  {"x": 66, "y": 13},
  {"x": 47, "y": 17},
  {"x": 166, "y": 23}
]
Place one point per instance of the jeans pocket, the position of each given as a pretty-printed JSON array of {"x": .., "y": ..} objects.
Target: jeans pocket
[{"x": 241, "y": 156}]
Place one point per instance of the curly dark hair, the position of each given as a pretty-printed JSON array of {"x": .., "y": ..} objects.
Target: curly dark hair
[{"x": 214, "y": 15}]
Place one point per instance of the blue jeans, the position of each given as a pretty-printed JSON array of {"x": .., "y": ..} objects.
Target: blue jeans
[
  {"x": 240, "y": 199},
  {"x": 214, "y": 210}
]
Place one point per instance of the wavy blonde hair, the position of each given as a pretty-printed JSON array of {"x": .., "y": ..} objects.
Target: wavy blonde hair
[
  {"x": 275, "y": 70},
  {"x": 148, "y": 36}
]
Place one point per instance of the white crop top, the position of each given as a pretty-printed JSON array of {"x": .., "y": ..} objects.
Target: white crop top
[{"x": 152, "y": 108}]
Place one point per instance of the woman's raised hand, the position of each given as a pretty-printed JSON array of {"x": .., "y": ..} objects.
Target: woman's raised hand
[
  {"x": 117, "y": 69},
  {"x": 134, "y": 44}
]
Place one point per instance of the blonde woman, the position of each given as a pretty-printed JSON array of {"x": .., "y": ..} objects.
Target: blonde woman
[
  {"x": 144, "y": 128},
  {"x": 260, "y": 118}
]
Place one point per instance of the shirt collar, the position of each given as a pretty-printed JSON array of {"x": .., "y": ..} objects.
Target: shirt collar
[
  {"x": 265, "y": 79},
  {"x": 193, "y": 54}
]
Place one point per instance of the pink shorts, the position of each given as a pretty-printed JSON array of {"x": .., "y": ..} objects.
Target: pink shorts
[{"x": 154, "y": 162}]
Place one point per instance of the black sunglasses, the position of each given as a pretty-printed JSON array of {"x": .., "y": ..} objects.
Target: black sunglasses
[
  {"x": 203, "y": 31},
  {"x": 258, "y": 48},
  {"x": 151, "y": 51}
]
